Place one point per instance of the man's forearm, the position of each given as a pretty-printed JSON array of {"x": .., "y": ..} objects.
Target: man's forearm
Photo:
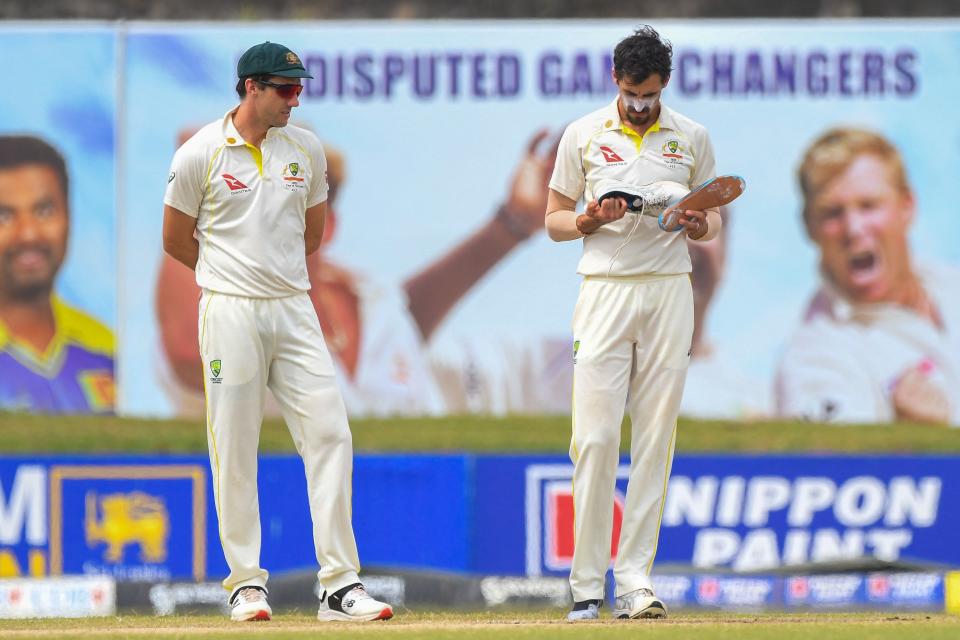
[
  {"x": 562, "y": 225},
  {"x": 433, "y": 292},
  {"x": 187, "y": 253}
]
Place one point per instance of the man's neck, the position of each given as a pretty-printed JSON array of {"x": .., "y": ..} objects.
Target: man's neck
[
  {"x": 29, "y": 320},
  {"x": 248, "y": 126},
  {"x": 914, "y": 296}
]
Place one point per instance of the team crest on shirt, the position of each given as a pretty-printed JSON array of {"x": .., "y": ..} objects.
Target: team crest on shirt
[
  {"x": 673, "y": 151},
  {"x": 293, "y": 177},
  {"x": 215, "y": 368}
]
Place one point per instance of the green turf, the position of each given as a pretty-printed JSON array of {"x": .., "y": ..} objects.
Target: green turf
[
  {"x": 534, "y": 625},
  {"x": 76, "y": 434}
]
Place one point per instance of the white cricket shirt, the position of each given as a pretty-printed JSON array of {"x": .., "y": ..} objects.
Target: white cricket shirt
[
  {"x": 250, "y": 206},
  {"x": 843, "y": 362},
  {"x": 598, "y": 147}
]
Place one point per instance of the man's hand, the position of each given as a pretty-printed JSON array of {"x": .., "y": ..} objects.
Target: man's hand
[
  {"x": 596, "y": 215},
  {"x": 695, "y": 223},
  {"x": 917, "y": 398}
]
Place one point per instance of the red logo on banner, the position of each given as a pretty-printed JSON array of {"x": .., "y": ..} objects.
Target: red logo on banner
[
  {"x": 799, "y": 588},
  {"x": 878, "y": 586},
  {"x": 610, "y": 155},
  {"x": 559, "y": 524},
  {"x": 233, "y": 183},
  {"x": 708, "y": 590}
]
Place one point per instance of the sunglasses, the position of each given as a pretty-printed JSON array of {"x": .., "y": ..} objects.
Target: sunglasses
[{"x": 285, "y": 91}]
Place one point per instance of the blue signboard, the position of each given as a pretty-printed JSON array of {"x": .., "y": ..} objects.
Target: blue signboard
[
  {"x": 751, "y": 513},
  {"x": 153, "y": 518}
]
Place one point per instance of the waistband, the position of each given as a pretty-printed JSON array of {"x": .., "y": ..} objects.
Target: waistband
[
  {"x": 642, "y": 277},
  {"x": 211, "y": 292}
]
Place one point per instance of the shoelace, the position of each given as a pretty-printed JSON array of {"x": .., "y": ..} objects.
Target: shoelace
[
  {"x": 249, "y": 594},
  {"x": 644, "y": 593},
  {"x": 357, "y": 593}
]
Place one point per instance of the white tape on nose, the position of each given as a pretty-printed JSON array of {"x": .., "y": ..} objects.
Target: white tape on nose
[{"x": 638, "y": 104}]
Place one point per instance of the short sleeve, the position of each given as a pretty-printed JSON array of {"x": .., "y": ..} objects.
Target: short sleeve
[
  {"x": 185, "y": 184},
  {"x": 318, "y": 183},
  {"x": 568, "y": 177},
  {"x": 705, "y": 162}
]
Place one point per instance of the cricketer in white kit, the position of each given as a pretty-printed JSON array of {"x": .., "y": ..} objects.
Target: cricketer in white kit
[
  {"x": 633, "y": 322},
  {"x": 244, "y": 206}
]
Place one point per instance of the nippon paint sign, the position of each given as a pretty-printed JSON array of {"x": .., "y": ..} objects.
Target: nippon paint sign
[{"x": 752, "y": 513}]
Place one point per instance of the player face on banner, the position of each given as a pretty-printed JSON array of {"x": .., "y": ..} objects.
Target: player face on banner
[
  {"x": 54, "y": 358},
  {"x": 33, "y": 222},
  {"x": 858, "y": 211}
]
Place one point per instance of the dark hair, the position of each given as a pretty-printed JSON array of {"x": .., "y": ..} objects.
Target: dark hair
[
  {"x": 242, "y": 84},
  {"x": 639, "y": 56},
  {"x": 17, "y": 151}
]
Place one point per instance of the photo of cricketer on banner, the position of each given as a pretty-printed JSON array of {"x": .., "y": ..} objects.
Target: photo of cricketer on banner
[
  {"x": 57, "y": 218},
  {"x": 414, "y": 200}
]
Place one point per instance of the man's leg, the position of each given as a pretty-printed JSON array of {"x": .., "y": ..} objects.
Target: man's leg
[
  {"x": 603, "y": 354},
  {"x": 234, "y": 370},
  {"x": 302, "y": 380},
  {"x": 656, "y": 387}
]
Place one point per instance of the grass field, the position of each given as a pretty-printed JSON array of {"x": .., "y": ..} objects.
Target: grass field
[
  {"x": 62, "y": 434},
  {"x": 533, "y": 625}
]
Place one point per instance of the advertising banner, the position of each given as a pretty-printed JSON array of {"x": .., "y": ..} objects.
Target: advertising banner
[
  {"x": 440, "y": 137},
  {"x": 58, "y": 220},
  {"x": 154, "y": 518},
  {"x": 825, "y": 298},
  {"x": 751, "y": 513},
  {"x": 75, "y": 597}
]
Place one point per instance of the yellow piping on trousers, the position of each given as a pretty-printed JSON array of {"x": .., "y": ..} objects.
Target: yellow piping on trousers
[
  {"x": 213, "y": 440},
  {"x": 666, "y": 477}
]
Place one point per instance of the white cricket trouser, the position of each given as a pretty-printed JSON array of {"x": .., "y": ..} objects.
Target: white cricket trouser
[
  {"x": 634, "y": 339},
  {"x": 248, "y": 345}
]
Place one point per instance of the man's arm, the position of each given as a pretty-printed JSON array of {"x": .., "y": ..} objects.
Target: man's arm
[
  {"x": 178, "y": 240},
  {"x": 435, "y": 290},
  {"x": 702, "y": 225},
  {"x": 177, "y": 314},
  {"x": 177, "y": 295},
  {"x": 313, "y": 233},
  {"x": 564, "y": 223}
]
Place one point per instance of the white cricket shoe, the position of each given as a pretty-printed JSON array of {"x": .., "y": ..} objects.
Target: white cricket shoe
[
  {"x": 249, "y": 604},
  {"x": 352, "y": 604},
  {"x": 640, "y": 603},
  {"x": 649, "y": 200},
  {"x": 585, "y": 610}
]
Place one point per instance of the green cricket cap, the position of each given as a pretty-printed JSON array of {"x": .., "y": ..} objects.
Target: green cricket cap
[{"x": 270, "y": 59}]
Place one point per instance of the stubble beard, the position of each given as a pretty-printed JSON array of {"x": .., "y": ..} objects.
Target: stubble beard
[{"x": 16, "y": 288}]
